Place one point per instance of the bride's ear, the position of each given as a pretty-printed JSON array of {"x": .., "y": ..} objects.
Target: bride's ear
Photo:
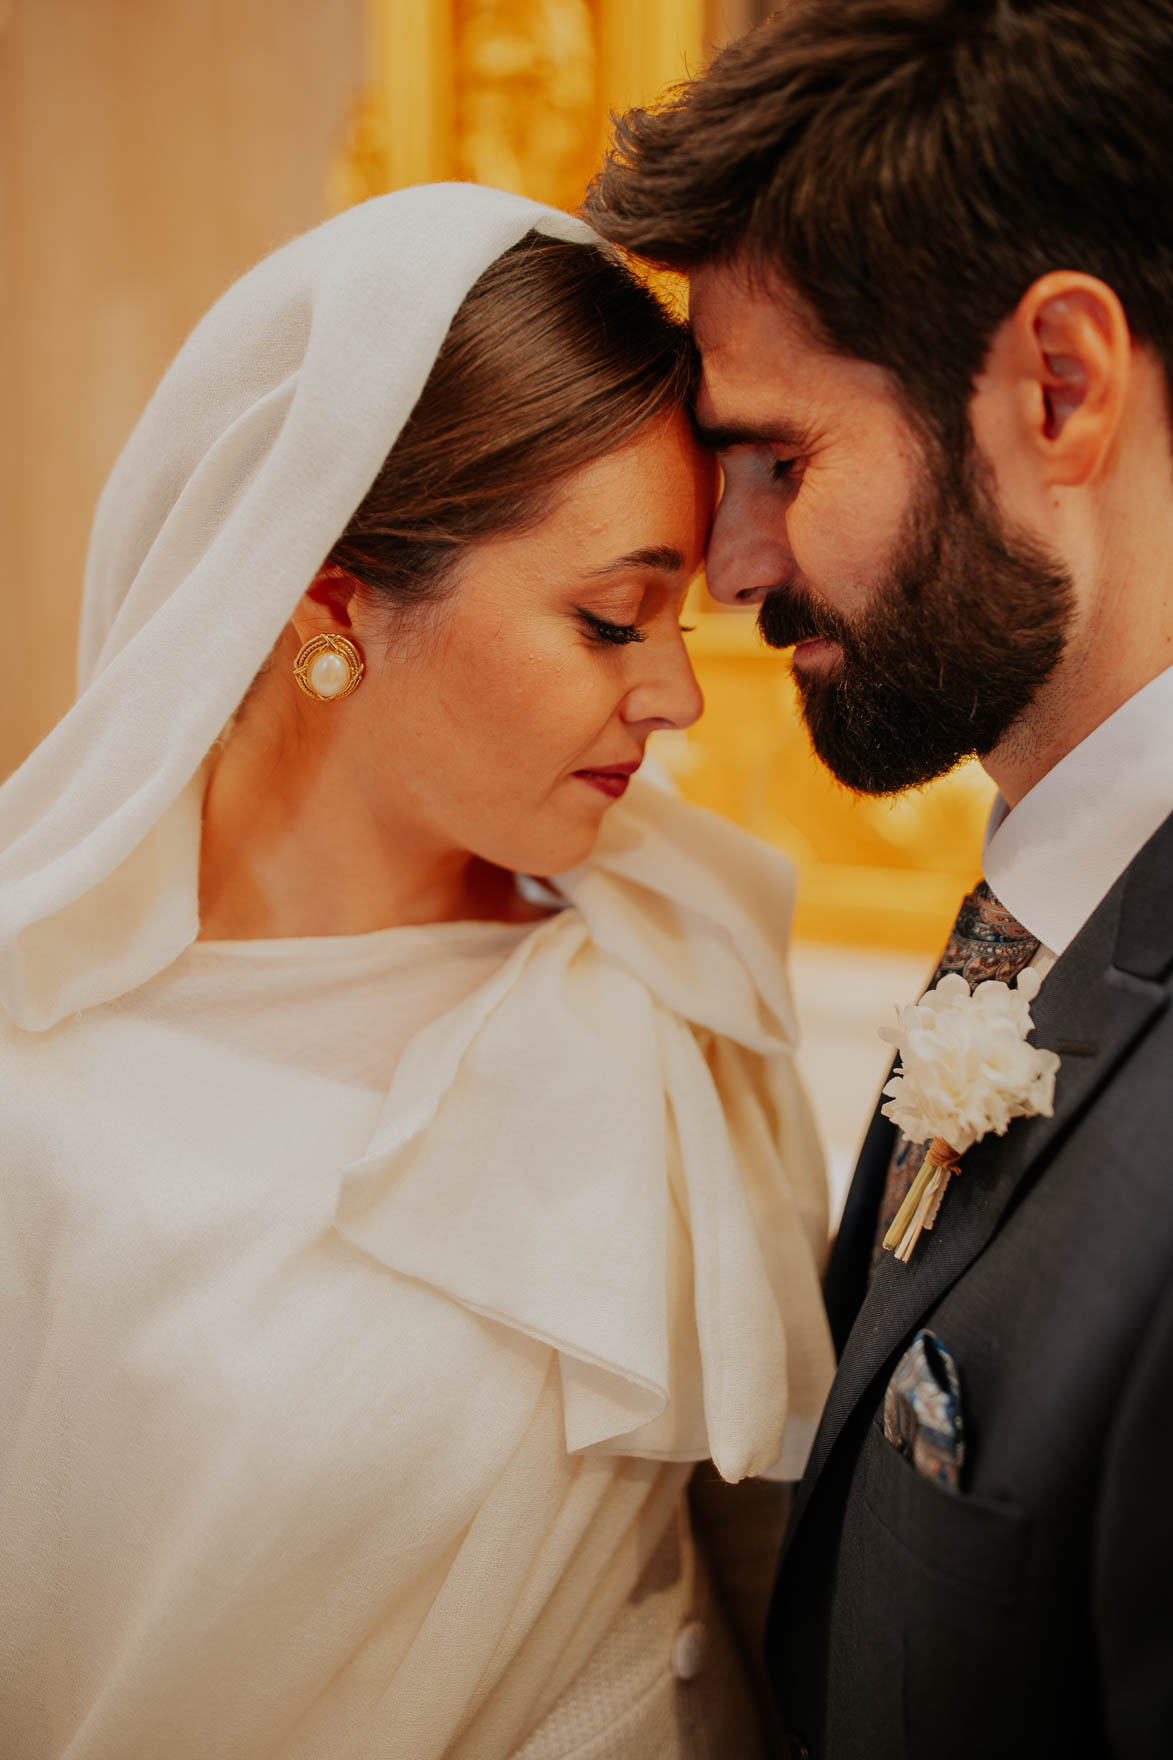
[{"x": 326, "y": 604}]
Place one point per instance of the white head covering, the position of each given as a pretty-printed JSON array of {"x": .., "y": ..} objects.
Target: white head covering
[
  {"x": 257, "y": 447},
  {"x": 651, "y": 1025}
]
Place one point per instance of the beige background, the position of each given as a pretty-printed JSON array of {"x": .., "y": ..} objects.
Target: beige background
[{"x": 150, "y": 151}]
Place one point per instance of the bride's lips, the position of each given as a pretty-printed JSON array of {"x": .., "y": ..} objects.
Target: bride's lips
[{"x": 610, "y": 779}]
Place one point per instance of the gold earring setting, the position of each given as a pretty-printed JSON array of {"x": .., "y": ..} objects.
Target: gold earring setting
[{"x": 328, "y": 668}]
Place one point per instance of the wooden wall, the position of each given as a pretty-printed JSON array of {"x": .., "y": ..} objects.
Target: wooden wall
[{"x": 150, "y": 151}]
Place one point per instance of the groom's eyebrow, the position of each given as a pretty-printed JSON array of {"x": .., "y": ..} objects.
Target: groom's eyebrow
[{"x": 722, "y": 437}]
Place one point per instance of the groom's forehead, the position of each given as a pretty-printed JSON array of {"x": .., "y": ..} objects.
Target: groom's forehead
[
  {"x": 761, "y": 364},
  {"x": 764, "y": 374},
  {"x": 734, "y": 312}
]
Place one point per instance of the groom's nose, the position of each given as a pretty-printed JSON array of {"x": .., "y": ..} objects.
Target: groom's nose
[{"x": 748, "y": 554}]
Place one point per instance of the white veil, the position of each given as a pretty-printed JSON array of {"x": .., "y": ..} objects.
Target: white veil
[{"x": 256, "y": 448}]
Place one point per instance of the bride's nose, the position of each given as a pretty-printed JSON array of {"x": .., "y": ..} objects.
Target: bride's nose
[{"x": 667, "y": 694}]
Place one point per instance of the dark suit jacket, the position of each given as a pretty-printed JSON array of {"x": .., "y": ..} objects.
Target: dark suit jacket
[{"x": 1031, "y": 1613}]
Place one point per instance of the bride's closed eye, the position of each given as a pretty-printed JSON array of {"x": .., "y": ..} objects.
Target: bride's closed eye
[{"x": 616, "y": 634}]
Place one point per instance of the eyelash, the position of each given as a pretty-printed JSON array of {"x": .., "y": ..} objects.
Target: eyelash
[{"x": 618, "y": 635}]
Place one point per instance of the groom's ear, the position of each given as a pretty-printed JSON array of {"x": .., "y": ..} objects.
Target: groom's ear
[{"x": 1053, "y": 388}]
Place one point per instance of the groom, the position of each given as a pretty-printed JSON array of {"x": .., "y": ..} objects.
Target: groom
[{"x": 931, "y": 255}]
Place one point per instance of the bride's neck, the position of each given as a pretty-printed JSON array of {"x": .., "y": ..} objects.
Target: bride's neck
[{"x": 291, "y": 848}]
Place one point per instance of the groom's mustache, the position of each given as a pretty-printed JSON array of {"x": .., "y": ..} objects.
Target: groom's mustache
[{"x": 788, "y": 616}]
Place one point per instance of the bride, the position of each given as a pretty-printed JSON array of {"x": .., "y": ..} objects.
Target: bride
[{"x": 406, "y": 1180}]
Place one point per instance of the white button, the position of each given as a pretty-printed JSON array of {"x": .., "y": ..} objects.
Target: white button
[{"x": 688, "y": 1652}]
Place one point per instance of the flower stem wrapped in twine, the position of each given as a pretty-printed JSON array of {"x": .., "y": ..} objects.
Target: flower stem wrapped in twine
[{"x": 919, "y": 1209}]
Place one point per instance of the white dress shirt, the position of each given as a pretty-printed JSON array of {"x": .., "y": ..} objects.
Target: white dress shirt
[{"x": 1057, "y": 854}]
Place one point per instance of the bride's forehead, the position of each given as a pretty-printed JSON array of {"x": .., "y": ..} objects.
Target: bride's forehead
[{"x": 622, "y": 530}]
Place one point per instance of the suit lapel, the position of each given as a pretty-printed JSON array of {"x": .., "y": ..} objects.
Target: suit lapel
[
  {"x": 845, "y": 1284},
  {"x": 1093, "y": 1008}
]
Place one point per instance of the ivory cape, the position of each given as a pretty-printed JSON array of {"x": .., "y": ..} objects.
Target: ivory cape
[{"x": 315, "y": 1457}]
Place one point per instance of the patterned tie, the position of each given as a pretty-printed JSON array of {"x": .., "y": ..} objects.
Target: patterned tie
[{"x": 986, "y": 942}]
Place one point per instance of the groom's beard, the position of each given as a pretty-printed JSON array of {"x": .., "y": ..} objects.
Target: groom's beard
[{"x": 968, "y": 624}]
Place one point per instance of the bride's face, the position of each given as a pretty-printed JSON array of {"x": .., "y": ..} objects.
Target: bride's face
[{"x": 504, "y": 720}]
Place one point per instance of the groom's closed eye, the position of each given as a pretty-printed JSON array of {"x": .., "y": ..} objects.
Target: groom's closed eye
[
  {"x": 778, "y": 436},
  {"x": 758, "y": 468}
]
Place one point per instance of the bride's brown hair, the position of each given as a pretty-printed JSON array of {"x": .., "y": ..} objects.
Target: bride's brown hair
[{"x": 557, "y": 356}]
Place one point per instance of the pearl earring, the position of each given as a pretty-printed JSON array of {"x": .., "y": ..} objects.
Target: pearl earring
[{"x": 328, "y": 667}]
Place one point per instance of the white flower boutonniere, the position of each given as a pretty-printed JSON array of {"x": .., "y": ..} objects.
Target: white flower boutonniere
[{"x": 965, "y": 1070}]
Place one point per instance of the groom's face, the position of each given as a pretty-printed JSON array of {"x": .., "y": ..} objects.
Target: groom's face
[{"x": 922, "y": 625}]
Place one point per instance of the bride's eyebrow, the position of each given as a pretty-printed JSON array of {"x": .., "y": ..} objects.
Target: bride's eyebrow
[{"x": 658, "y": 556}]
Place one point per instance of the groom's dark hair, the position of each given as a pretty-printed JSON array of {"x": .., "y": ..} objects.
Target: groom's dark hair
[{"x": 910, "y": 167}]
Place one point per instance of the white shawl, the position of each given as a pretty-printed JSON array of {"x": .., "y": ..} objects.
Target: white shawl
[{"x": 258, "y": 445}]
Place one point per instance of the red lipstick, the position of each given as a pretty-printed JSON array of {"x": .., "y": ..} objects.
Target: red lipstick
[{"x": 610, "y": 779}]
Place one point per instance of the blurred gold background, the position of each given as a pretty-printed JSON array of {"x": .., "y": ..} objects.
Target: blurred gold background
[{"x": 151, "y": 150}]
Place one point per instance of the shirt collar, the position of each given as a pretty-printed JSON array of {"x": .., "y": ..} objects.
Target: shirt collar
[{"x": 1053, "y": 857}]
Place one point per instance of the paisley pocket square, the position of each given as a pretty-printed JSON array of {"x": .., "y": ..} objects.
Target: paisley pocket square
[{"x": 922, "y": 1411}]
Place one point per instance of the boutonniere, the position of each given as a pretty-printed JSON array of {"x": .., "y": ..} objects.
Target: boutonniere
[{"x": 965, "y": 1070}]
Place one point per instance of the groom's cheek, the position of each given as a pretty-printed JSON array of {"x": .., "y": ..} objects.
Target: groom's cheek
[{"x": 748, "y": 553}]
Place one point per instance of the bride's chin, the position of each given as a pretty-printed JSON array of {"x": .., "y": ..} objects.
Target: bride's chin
[{"x": 560, "y": 848}]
